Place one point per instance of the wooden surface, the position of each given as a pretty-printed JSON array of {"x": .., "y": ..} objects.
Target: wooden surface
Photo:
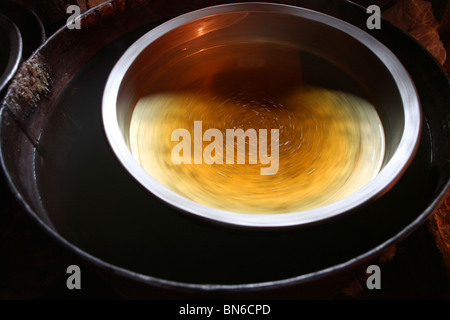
[{"x": 33, "y": 266}]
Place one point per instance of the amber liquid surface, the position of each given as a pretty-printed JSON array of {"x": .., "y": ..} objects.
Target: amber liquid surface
[{"x": 331, "y": 143}]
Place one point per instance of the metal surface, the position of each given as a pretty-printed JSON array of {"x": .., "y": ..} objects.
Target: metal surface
[
  {"x": 11, "y": 50},
  {"x": 148, "y": 251},
  {"x": 28, "y": 23},
  {"x": 383, "y": 77}
]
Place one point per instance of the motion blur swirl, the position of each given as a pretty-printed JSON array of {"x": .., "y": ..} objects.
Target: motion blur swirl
[{"x": 330, "y": 143}]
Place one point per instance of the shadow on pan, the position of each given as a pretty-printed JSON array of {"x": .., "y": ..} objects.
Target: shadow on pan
[{"x": 61, "y": 169}]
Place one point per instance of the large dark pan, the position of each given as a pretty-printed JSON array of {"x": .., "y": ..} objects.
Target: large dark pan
[{"x": 60, "y": 167}]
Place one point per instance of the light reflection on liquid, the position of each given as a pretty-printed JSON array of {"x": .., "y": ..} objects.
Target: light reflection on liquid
[{"x": 330, "y": 143}]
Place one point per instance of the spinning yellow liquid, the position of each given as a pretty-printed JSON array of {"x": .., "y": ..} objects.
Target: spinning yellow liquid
[{"x": 330, "y": 143}]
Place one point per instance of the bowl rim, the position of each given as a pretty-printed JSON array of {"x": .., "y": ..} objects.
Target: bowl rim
[
  {"x": 15, "y": 51},
  {"x": 378, "y": 186}
]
